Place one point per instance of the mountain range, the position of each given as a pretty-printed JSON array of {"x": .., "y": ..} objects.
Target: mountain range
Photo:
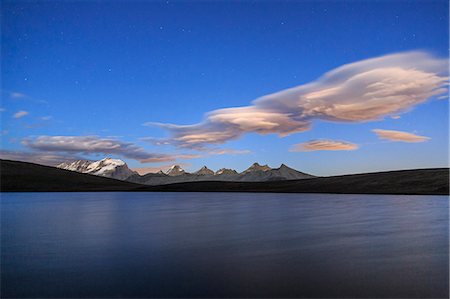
[
  {"x": 118, "y": 169},
  {"x": 16, "y": 176}
]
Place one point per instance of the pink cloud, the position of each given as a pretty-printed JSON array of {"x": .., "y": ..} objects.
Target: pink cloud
[
  {"x": 324, "y": 145},
  {"x": 363, "y": 91},
  {"x": 399, "y": 136}
]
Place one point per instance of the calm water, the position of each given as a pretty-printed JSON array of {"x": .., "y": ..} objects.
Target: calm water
[{"x": 223, "y": 245}]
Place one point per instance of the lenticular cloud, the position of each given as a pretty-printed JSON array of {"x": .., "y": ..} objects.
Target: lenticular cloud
[
  {"x": 324, "y": 145},
  {"x": 358, "y": 92},
  {"x": 399, "y": 136},
  {"x": 97, "y": 145}
]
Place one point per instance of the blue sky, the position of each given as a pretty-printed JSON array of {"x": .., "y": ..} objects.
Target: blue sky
[{"x": 89, "y": 75}]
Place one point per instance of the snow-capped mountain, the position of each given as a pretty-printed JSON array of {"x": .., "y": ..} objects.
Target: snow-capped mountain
[
  {"x": 117, "y": 169},
  {"x": 175, "y": 170},
  {"x": 79, "y": 165},
  {"x": 107, "y": 167}
]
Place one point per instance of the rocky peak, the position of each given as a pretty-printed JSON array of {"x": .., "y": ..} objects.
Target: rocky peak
[
  {"x": 204, "y": 171},
  {"x": 284, "y": 166},
  {"x": 175, "y": 170},
  {"x": 226, "y": 171},
  {"x": 256, "y": 167}
]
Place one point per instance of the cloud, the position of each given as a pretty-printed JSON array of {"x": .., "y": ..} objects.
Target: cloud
[
  {"x": 2, "y": 109},
  {"x": 20, "y": 114},
  {"x": 157, "y": 158},
  {"x": 44, "y": 158},
  {"x": 97, "y": 145},
  {"x": 363, "y": 91},
  {"x": 209, "y": 150},
  {"x": 324, "y": 145},
  {"x": 399, "y": 136},
  {"x": 48, "y": 117},
  {"x": 16, "y": 95},
  {"x": 227, "y": 151}
]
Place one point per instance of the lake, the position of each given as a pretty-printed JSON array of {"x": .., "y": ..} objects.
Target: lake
[{"x": 223, "y": 245}]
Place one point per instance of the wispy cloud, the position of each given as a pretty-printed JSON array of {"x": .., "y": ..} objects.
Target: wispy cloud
[
  {"x": 45, "y": 118},
  {"x": 209, "y": 150},
  {"x": 158, "y": 158},
  {"x": 44, "y": 158},
  {"x": 324, "y": 145},
  {"x": 16, "y": 95},
  {"x": 227, "y": 151},
  {"x": 20, "y": 114},
  {"x": 363, "y": 91},
  {"x": 399, "y": 136},
  {"x": 98, "y": 145}
]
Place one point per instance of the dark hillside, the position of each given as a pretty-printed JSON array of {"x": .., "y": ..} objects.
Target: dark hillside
[
  {"x": 417, "y": 181},
  {"x": 23, "y": 177}
]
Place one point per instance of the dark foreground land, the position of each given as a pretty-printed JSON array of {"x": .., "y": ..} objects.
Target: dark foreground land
[{"x": 27, "y": 177}]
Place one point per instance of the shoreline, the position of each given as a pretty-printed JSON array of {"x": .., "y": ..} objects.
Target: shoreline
[{"x": 28, "y": 177}]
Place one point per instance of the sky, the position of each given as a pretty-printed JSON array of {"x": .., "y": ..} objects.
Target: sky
[{"x": 325, "y": 87}]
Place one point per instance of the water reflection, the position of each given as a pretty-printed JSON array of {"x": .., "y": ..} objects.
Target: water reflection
[{"x": 223, "y": 245}]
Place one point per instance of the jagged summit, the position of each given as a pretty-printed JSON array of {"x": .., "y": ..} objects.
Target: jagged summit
[
  {"x": 79, "y": 165},
  {"x": 175, "y": 170},
  {"x": 226, "y": 171},
  {"x": 204, "y": 171},
  {"x": 256, "y": 167},
  {"x": 106, "y": 162},
  {"x": 284, "y": 166},
  {"x": 118, "y": 169},
  {"x": 290, "y": 173}
]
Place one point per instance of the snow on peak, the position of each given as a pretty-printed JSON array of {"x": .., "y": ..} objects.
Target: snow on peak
[
  {"x": 117, "y": 162},
  {"x": 105, "y": 165},
  {"x": 175, "y": 170},
  {"x": 78, "y": 165},
  {"x": 175, "y": 167},
  {"x": 108, "y": 167}
]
